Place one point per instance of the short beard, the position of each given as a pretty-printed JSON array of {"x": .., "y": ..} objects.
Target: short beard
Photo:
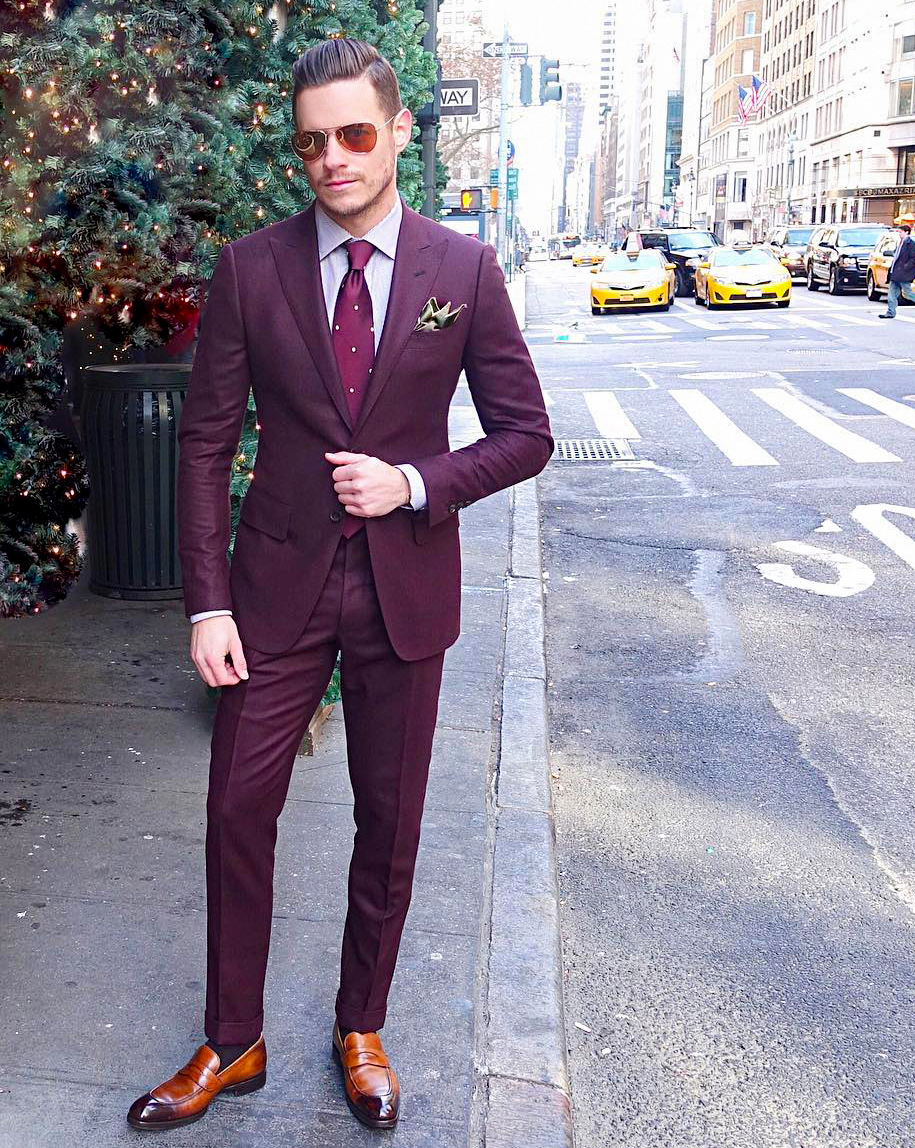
[{"x": 375, "y": 194}]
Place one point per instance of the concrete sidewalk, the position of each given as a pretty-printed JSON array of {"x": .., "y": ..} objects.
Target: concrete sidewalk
[{"x": 105, "y": 745}]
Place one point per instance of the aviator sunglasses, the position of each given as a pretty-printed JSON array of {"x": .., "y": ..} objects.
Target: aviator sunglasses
[{"x": 360, "y": 138}]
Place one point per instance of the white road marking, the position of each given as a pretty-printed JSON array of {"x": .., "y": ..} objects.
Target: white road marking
[
  {"x": 738, "y": 338},
  {"x": 898, "y": 411},
  {"x": 872, "y": 519},
  {"x": 698, "y": 321},
  {"x": 854, "y": 576},
  {"x": 725, "y": 434},
  {"x": 828, "y": 527},
  {"x": 848, "y": 317},
  {"x": 609, "y": 417},
  {"x": 629, "y": 337},
  {"x": 852, "y": 445}
]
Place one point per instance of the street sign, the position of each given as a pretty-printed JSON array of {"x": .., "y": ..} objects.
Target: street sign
[
  {"x": 511, "y": 153},
  {"x": 460, "y": 97},
  {"x": 492, "y": 49},
  {"x": 512, "y": 180}
]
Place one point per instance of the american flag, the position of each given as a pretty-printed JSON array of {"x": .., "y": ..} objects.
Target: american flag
[
  {"x": 744, "y": 103},
  {"x": 760, "y": 91}
]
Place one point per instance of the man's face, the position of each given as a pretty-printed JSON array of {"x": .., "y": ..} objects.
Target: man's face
[{"x": 349, "y": 183}]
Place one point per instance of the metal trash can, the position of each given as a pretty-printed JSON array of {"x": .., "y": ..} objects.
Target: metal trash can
[{"x": 129, "y": 415}]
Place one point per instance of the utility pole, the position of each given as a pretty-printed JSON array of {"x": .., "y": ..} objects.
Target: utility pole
[
  {"x": 791, "y": 139},
  {"x": 502, "y": 217},
  {"x": 428, "y": 116}
]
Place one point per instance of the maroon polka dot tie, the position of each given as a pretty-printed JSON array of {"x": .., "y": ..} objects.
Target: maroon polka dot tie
[{"x": 354, "y": 339}]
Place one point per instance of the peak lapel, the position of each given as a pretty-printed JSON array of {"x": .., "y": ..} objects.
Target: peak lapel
[
  {"x": 299, "y": 270},
  {"x": 416, "y": 262}
]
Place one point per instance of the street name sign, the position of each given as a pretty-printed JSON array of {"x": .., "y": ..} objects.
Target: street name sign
[
  {"x": 459, "y": 97},
  {"x": 492, "y": 49}
]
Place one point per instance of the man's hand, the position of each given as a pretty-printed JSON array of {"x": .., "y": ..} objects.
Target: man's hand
[
  {"x": 366, "y": 486},
  {"x": 211, "y": 640}
]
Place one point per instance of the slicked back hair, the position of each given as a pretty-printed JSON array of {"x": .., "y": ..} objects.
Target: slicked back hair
[{"x": 345, "y": 59}]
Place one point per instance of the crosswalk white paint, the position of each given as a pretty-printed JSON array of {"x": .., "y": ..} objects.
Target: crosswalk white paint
[
  {"x": 899, "y": 411},
  {"x": 853, "y": 446},
  {"x": 609, "y": 417},
  {"x": 727, "y": 436}
]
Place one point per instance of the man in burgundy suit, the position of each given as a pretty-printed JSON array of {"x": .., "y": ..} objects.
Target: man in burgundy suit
[{"x": 348, "y": 542}]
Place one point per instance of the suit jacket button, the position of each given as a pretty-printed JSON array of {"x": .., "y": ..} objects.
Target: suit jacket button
[{"x": 336, "y": 515}]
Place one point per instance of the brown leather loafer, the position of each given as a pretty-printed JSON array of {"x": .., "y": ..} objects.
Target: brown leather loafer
[
  {"x": 186, "y": 1096},
  {"x": 370, "y": 1084}
]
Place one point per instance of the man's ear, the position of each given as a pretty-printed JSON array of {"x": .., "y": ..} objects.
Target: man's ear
[{"x": 403, "y": 129}]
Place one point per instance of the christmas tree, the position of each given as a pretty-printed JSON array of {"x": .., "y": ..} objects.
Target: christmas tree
[{"x": 137, "y": 141}]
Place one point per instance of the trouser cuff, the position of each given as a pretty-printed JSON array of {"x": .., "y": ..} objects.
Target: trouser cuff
[
  {"x": 243, "y": 1032},
  {"x": 360, "y": 1020}
]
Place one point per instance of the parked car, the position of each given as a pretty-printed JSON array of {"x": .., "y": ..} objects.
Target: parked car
[
  {"x": 790, "y": 243},
  {"x": 632, "y": 279},
  {"x": 879, "y": 264},
  {"x": 837, "y": 255},
  {"x": 685, "y": 247},
  {"x": 742, "y": 274}
]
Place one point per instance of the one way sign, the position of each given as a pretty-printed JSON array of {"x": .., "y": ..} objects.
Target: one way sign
[{"x": 460, "y": 97}]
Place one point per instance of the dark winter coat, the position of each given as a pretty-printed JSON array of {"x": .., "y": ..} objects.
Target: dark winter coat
[{"x": 903, "y": 268}]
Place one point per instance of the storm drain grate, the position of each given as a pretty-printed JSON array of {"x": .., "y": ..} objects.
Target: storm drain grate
[{"x": 592, "y": 450}]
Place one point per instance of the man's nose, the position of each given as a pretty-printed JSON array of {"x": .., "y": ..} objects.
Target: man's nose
[{"x": 335, "y": 153}]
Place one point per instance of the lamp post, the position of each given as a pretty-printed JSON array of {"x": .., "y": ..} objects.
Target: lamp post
[{"x": 791, "y": 142}]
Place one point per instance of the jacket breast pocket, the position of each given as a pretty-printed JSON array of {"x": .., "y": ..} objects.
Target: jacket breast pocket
[{"x": 265, "y": 513}]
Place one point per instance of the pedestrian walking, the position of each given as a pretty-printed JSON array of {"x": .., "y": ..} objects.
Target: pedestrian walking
[
  {"x": 901, "y": 273},
  {"x": 352, "y": 320}
]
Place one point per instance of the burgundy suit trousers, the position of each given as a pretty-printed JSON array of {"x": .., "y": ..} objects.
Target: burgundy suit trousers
[{"x": 389, "y": 709}]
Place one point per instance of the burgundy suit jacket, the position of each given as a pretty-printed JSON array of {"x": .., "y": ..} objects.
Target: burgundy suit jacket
[{"x": 265, "y": 327}]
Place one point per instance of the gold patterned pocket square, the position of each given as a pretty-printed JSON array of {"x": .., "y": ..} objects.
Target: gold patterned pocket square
[{"x": 435, "y": 318}]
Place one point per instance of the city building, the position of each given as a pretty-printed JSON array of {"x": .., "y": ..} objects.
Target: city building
[
  {"x": 780, "y": 136},
  {"x": 660, "y": 113},
  {"x": 863, "y": 130},
  {"x": 698, "y": 46},
  {"x": 726, "y": 169}
]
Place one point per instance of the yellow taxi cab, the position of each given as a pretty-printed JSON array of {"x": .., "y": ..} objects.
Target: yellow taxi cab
[
  {"x": 742, "y": 274},
  {"x": 633, "y": 279},
  {"x": 586, "y": 256},
  {"x": 879, "y": 264}
]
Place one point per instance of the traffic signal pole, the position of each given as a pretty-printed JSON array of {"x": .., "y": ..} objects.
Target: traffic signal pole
[{"x": 501, "y": 217}]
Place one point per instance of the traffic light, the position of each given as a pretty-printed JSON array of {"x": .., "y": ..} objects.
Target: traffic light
[
  {"x": 494, "y": 198},
  {"x": 527, "y": 84},
  {"x": 550, "y": 88},
  {"x": 472, "y": 199}
]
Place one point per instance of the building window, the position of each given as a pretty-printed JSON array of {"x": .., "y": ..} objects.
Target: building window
[
  {"x": 908, "y": 45},
  {"x": 904, "y": 97},
  {"x": 743, "y": 142},
  {"x": 749, "y": 24},
  {"x": 906, "y": 169},
  {"x": 746, "y": 62},
  {"x": 740, "y": 186}
]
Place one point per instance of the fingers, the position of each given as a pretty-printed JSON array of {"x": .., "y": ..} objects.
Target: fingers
[{"x": 239, "y": 665}]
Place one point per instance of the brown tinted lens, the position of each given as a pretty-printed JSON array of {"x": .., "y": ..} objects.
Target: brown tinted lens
[
  {"x": 310, "y": 144},
  {"x": 358, "y": 137}
]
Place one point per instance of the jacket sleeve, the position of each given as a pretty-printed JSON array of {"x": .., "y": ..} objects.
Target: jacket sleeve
[
  {"x": 509, "y": 402},
  {"x": 208, "y": 434}
]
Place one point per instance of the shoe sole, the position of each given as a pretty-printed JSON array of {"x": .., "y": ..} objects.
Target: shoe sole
[
  {"x": 389, "y": 1122},
  {"x": 241, "y": 1089}
]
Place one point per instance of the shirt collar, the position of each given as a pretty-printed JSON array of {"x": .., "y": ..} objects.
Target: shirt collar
[{"x": 383, "y": 235}]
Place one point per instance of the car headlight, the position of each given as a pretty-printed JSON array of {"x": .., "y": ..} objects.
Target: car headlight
[
  {"x": 602, "y": 283},
  {"x": 724, "y": 280},
  {"x": 848, "y": 260}
]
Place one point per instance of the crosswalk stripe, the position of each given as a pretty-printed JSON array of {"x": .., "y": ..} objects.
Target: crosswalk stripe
[
  {"x": 699, "y": 321},
  {"x": 733, "y": 443},
  {"x": 847, "y": 317},
  {"x": 854, "y": 446},
  {"x": 609, "y": 417},
  {"x": 898, "y": 411}
]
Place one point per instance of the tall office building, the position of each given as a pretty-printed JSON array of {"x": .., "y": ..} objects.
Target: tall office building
[{"x": 781, "y": 135}]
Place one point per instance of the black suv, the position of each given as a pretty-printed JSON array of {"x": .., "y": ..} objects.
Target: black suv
[
  {"x": 684, "y": 246},
  {"x": 837, "y": 255}
]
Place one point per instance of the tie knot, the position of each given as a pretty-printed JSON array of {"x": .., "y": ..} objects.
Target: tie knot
[{"x": 359, "y": 252}]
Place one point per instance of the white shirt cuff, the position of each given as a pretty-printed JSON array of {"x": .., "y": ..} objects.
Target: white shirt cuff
[
  {"x": 209, "y": 614},
  {"x": 417, "y": 486}
]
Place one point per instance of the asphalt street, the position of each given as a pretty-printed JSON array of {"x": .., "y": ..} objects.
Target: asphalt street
[{"x": 730, "y": 647}]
